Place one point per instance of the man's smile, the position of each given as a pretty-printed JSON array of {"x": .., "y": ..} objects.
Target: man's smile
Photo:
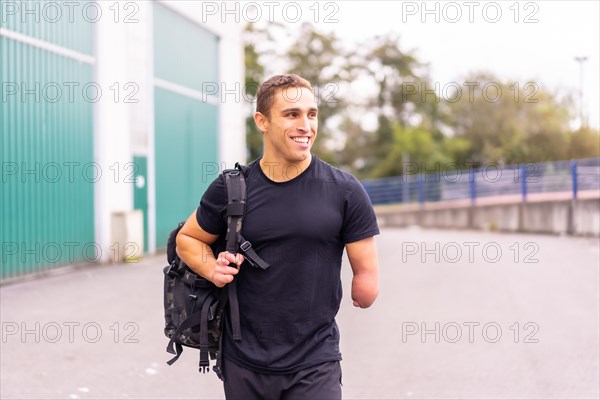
[{"x": 301, "y": 139}]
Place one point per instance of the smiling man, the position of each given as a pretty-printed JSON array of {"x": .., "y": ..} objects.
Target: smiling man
[{"x": 301, "y": 213}]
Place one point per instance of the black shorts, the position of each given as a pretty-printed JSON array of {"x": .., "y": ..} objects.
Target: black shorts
[{"x": 322, "y": 381}]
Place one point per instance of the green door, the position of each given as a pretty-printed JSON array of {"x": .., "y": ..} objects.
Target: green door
[{"x": 140, "y": 192}]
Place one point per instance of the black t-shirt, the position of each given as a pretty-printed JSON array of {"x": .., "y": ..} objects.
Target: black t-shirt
[{"x": 300, "y": 227}]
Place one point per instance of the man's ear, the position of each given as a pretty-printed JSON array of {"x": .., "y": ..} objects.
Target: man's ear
[{"x": 262, "y": 122}]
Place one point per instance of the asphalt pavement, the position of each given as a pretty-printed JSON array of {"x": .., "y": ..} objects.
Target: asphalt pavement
[{"x": 461, "y": 315}]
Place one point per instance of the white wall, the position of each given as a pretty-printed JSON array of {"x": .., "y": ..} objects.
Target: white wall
[
  {"x": 112, "y": 150},
  {"x": 124, "y": 54}
]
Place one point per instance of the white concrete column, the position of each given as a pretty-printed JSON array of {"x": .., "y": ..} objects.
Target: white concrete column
[
  {"x": 112, "y": 152},
  {"x": 232, "y": 131},
  {"x": 148, "y": 13}
]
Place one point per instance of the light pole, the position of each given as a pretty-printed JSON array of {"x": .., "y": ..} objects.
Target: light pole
[{"x": 581, "y": 60}]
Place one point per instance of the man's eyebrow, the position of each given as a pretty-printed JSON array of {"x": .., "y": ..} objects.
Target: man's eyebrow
[{"x": 297, "y": 109}]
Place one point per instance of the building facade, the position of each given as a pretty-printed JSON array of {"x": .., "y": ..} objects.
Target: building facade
[{"x": 107, "y": 108}]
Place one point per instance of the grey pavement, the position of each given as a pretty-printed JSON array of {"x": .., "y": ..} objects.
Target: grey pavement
[{"x": 461, "y": 315}]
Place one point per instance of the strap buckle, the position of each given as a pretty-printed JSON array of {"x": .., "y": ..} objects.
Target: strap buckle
[{"x": 245, "y": 246}]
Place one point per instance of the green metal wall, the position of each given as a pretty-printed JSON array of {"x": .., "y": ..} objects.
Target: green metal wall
[
  {"x": 46, "y": 147},
  {"x": 187, "y": 55},
  {"x": 66, "y": 24},
  {"x": 186, "y": 129}
]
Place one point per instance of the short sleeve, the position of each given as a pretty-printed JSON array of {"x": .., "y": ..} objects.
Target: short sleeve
[
  {"x": 212, "y": 208},
  {"x": 359, "y": 217}
]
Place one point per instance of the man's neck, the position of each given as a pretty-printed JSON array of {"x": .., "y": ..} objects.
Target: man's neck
[{"x": 283, "y": 171}]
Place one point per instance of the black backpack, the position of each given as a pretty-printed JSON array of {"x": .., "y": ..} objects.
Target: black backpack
[{"x": 194, "y": 306}]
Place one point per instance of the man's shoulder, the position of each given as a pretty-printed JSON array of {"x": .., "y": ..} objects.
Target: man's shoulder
[
  {"x": 246, "y": 168},
  {"x": 331, "y": 173}
]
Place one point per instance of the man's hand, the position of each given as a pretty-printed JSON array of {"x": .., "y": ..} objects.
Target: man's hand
[
  {"x": 222, "y": 273},
  {"x": 193, "y": 246}
]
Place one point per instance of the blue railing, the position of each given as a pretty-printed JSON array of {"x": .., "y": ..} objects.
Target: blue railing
[{"x": 433, "y": 183}]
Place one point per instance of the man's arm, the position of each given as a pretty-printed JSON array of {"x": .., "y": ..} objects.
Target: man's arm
[
  {"x": 363, "y": 260},
  {"x": 193, "y": 246}
]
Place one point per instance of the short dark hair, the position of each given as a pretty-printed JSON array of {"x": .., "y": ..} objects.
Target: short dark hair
[{"x": 266, "y": 91}]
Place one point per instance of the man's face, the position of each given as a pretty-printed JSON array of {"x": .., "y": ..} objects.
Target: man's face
[{"x": 291, "y": 130}]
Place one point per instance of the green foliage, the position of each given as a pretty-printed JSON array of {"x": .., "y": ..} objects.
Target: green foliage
[
  {"x": 584, "y": 143},
  {"x": 254, "y": 74},
  {"x": 254, "y": 69},
  {"x": 509, "y": 123},
  {"x": 320, "y": 59},
  {"x": 416, "y": 147},
  {"x": 490, "y": 121}
]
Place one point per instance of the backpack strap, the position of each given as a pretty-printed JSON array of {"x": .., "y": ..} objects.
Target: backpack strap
[
  {"x": 236, "y": 204},
  {"x": 236, "y": 201},
  {"x": 251, "y": 256},
  {"x": 219, "y": 354},
  {"x": 204, "y": 365},
  {"x": 193, "y": 320},
  {"x": 199, "y": 318}
]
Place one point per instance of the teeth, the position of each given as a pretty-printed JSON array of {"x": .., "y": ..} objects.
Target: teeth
[{"x": 300, "y": 139}]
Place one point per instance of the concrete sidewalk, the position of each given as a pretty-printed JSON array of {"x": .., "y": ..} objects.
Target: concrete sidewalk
[
  {"x": 96, "y": 332},
  {"x": 521, "y": 325}
]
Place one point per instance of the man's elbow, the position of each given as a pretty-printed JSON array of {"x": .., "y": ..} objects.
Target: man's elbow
[{"x": 182, "y": 243}]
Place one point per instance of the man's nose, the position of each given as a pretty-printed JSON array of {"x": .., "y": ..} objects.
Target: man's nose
[{"x": 304, "y": 124}]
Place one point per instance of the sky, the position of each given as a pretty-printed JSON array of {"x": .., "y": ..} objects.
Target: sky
[{"x": 524, "y": 41}]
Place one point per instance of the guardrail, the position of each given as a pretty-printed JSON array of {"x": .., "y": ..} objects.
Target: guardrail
[{"x": 426, "y": 183}]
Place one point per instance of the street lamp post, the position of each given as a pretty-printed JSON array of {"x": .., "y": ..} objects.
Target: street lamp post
[{"x": 581, "y": 60}]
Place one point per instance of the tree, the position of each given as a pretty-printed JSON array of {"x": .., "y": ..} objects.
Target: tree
[
  {"x": 417, "y": 149},
  {"x": 254, "y": 73},
  {"x": 510, "y": 123},
  {"x": 400, "y": 101},
  {"x": 485, "y": 120},
  {"x": 316, "y": 56},
  {"x": 260, "y": 48},
  {"x": 320, "y": 59},
  {"x": 584, "y": 143}
]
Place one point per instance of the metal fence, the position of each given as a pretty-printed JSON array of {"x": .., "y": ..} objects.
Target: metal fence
[{"x": 432, "y": 183}]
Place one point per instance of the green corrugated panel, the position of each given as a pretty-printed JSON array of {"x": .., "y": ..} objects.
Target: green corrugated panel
[
  {"x": 47, "y": 200},
  {"x": 6, "y": 148},
  {"x": 186, "y": 55},
  {"x": 186, "y": 145},
  {"x": 186, "y": 129},
  {"x": 68, "y": 24}
]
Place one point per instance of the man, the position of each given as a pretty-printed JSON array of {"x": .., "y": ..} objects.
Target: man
[{"x": 300, "y": 215}]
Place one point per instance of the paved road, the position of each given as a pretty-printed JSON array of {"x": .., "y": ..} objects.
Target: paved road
[{"x": 461, "y": 314}]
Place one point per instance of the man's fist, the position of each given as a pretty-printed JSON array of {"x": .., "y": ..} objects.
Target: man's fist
[{"x": 223, "y": 273}]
